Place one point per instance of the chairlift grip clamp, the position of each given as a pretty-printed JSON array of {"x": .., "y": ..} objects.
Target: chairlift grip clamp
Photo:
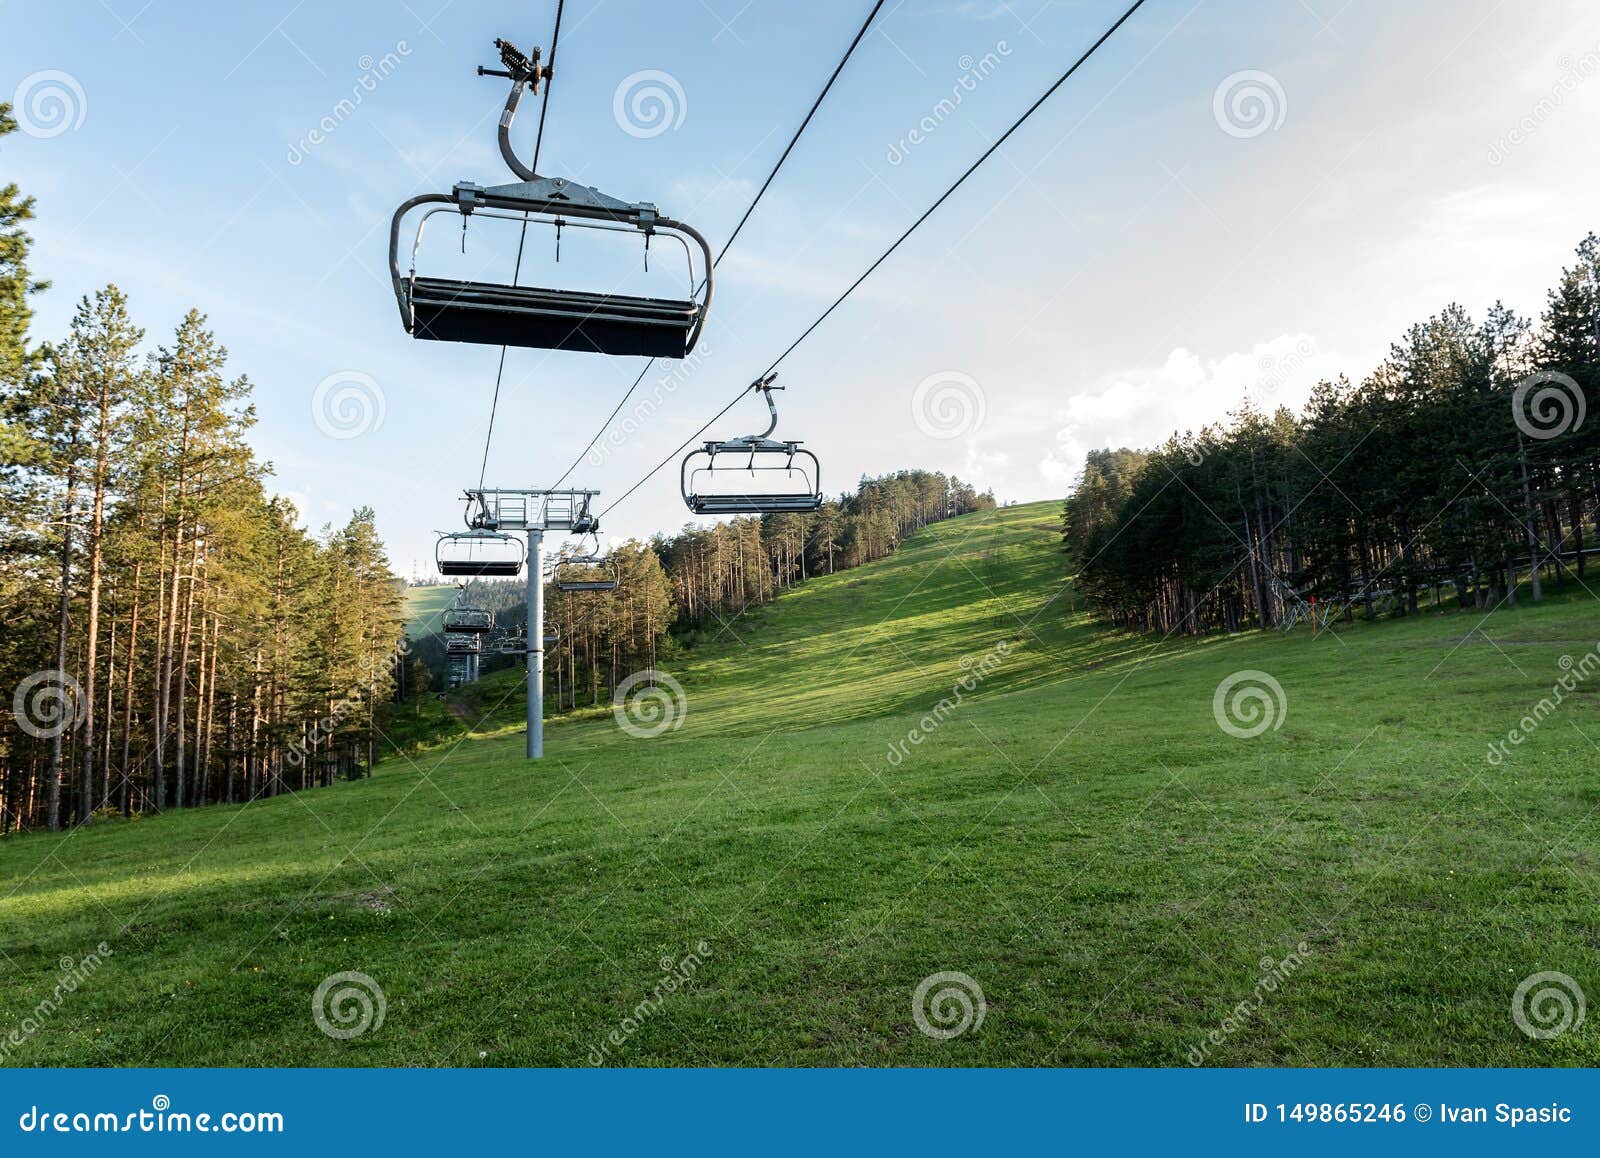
[
  {"x": 519, "y": 67},
  {"x": 468, "y": 196}
]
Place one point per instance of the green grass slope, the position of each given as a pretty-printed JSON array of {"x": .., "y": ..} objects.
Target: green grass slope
[
  {"x": 1074, "y": 831},
  {"x": 426, "y": 606}
]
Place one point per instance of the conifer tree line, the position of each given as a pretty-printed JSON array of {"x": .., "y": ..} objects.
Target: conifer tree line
[
  {"x": 171, "y": 636},
  {"x": 717, "y": 571},
  {"x": 1462, "y": 471},
  {"x": 677, "y": 589}
]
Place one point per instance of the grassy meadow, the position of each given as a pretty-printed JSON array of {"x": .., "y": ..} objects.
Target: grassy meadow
[{"x": 1074, "y": 832}]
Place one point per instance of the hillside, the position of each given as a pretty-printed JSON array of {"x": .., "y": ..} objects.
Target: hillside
[
  {"x": 1077, "y": 834},
  {"x": 887, "y": 636},
  {"x": 424, "y": 606}
]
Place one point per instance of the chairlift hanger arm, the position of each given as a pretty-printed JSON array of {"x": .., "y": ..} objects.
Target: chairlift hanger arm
[
  {"x": 763, "y": 441},
  {"x": 764, "y": 384},
  {"x": 524, "y": 72},
  {"x": 475, "y": 512}
]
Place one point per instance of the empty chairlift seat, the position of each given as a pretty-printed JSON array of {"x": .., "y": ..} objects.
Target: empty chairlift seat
[
  {"x": 756, "y": 474},
  {"x": 755, "y": 477},
  {"x": 469, "y": 620},
  {"x": 479, "y": 554},
  {"x": 456, "y": 310},
  {"x": 498, "y": 314},
  {"x": 518, "y": 644},
  {"x": 462, "y": 311},
  {"x": 585, "y": 573}
]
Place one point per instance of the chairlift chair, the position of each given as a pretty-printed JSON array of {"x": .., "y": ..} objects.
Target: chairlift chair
[
  {"x": 462, "y": 644},
  {"x": 774, "y": 477},
  {"x": 518, "y": 644},
  {"x": 479, "y": 552},
  {"x": 588, "y": 572},
  {"x": 468, "y": 620},
  {"x": 453, "y": 310}
]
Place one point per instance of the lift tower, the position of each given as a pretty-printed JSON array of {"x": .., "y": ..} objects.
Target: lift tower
[{"x": 533, "y": 510}]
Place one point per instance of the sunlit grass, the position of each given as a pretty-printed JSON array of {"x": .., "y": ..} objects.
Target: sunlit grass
[
  {"x": 1078, "y": 835},
  {"x": 426, "y": 606}
]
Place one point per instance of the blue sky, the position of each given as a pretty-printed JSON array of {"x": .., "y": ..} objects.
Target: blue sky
[{"x": 1135, "y": 260}]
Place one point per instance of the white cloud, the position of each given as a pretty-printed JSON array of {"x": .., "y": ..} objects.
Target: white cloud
[
  {"x": 984, "y": 467},
  {"x": 1143, "y": 407}
]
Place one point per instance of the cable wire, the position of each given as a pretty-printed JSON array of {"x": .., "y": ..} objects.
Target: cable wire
[
  {"x": 549, "y": 81},
  {"x": 494, "y": 404},
  {"x": 760, "y": 193},
  {"x": 959, "y": 181},
  {"x": 987, "y": 153},
  {"x": 516, "y": 272}
]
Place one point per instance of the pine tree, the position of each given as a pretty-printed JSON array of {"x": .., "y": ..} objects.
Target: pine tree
[
  {"x": 94, "y": 375},
  {"x": 17, "y": 360}
]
